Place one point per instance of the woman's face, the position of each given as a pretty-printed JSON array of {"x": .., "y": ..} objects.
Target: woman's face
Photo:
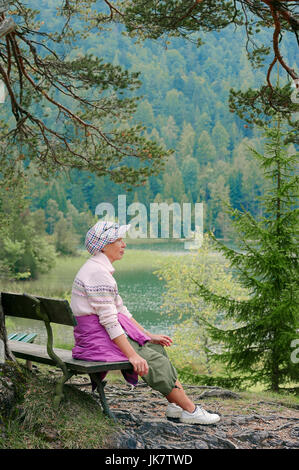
[{"x": 115, "y": 251}]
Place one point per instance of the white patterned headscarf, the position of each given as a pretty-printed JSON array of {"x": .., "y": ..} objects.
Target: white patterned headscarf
[{"x": 103, "y": 233}]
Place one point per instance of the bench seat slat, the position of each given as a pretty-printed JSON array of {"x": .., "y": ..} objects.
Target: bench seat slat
[
  {"x": 21, "y": 337},
  {"x": 25, "y": 337},
  {"x": 38, "y": 353},
  {"x": 29, "y": 338},
  {"x": 12, "y": 335}
]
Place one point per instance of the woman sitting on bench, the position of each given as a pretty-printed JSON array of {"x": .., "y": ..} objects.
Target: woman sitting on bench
[{"x": 106, "y": 330}]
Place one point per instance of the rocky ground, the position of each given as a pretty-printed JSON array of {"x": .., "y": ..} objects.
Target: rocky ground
[{"x": 246, "y": 423}]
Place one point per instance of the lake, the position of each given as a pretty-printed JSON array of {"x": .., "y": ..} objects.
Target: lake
[{"x": 140, "y": 289}]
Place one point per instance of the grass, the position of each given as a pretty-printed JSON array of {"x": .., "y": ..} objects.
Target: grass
[
  {"x": 56, "y": 283},
  {"x": 35, "y": 424},
  {"x": 285, "y": 397}
]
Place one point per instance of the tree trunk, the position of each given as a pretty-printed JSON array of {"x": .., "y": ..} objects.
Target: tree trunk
[
  {"x": 5, "y": 353},
  {"x": 8, "y": 372}
]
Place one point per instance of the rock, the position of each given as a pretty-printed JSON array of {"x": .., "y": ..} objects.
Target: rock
[
  {"x": 254, "y": 437},
  {"x": 200, "y": 445},
  {"x": 219, "y": 393},
  {"x": 131, "y": 443},
  {"x": 226, "y": 444},
  {"x": 124, "y": 440},
  {"x": 295, "y": 432},
  {"x": 164, "y": 434},
  {"x": 290, "y": 444},
  {"x": 7, "y": 396},
  {"x": 48, "y": 435},
  {"x": 2, "y": 431},
  {"x": 126, "y": 416},
  {"x": 218, "y": 442},
  {"x": 243, "y": 419}
]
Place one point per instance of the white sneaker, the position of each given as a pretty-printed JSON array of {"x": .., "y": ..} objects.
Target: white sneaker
[
  {"x": 199, "y": 416},
  {"x": 173, "y": 411}
]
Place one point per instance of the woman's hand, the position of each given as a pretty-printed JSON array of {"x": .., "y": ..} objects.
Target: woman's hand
[
  {"x": 140, "y": 365},
  {"x": 164, "y": 340}
]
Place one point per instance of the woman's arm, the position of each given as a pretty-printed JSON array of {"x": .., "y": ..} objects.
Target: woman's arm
[
  {"x": 139, "y": 364},
  {"x": 157, "y": 339},
  {"x": 164, "y": 340}
]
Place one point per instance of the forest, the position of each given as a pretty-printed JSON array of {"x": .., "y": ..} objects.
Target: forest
[{"x": 183, "y": 105}]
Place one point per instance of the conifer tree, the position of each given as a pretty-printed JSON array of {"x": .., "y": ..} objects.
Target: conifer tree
[
  {"x": 259, "y": 345},
  {"x": 186, "y": 142},
  {"x": 220, "y": 138},
  {"x": 206, "y": 151}
]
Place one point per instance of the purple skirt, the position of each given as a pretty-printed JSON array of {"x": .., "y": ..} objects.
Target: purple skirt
[{"x": 92, "y": 342}]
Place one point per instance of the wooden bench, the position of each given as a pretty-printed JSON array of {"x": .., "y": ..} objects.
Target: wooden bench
[{"x": 55, "y": 311}]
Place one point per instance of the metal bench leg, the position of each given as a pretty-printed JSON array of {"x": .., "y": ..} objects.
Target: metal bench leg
[
  {"x": 100, "y": 384},
  {"x": 59, "y": 388}
]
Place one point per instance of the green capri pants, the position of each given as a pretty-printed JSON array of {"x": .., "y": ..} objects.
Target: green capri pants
[{"x": 162, "y": 375}]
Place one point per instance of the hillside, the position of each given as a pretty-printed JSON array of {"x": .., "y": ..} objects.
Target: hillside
[{"x": 184, "y": 106}]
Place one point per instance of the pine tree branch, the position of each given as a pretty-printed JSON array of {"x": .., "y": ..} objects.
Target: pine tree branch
[
  {"x": 112, "y": 9},
  {"x": 230, "y": 305},
  {"x": 277, "y": 30}
]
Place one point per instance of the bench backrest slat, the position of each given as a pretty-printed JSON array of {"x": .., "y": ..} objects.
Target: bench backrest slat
[{"x": 19, "y": 305}]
